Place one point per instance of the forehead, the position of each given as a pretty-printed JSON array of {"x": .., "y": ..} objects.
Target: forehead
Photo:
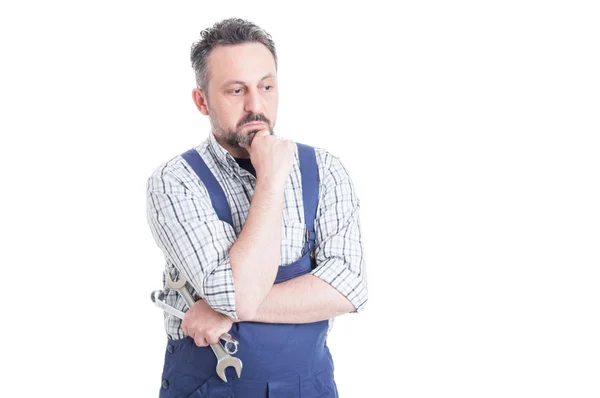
[{"x": 248, "y": 62}]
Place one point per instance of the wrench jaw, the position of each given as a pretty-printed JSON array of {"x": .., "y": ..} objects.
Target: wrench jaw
[
  {"x": 157, "y": 295},
  {"x": 176, "y": 285},
  {"x": 225, "y": 363}
]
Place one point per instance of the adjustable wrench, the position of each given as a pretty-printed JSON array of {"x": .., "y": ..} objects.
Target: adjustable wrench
[
  {"x": 231, "y": 345},
  {"x": 224, "y": 360}
]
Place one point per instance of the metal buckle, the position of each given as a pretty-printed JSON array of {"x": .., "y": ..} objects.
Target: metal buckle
[{"x": 312, "y": 251}]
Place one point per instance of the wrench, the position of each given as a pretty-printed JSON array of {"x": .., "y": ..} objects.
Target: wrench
[
  {"x": 224, "y": 360},
  {"x": 231, "y": 345}
]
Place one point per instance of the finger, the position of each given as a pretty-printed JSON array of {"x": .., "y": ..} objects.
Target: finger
[
  {"x": 212, "y": 338},
  {"x": 184, "y": 327},
  {"x": 200, "y": 341},
  {"x": 263, "y": 133},
  {"x": 258, "y": 134}
]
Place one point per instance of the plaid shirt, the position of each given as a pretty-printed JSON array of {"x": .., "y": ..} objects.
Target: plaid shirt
[{"x": 196, "y": 243}]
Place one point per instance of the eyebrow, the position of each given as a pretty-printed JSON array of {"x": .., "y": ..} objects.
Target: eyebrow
[{"x": 227, "y": 83}]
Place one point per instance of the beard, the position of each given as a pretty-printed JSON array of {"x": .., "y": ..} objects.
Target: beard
[{"x": 235, "y": 137}]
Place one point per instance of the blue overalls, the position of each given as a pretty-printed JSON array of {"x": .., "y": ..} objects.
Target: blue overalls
[{"x": 279, "y": 360}]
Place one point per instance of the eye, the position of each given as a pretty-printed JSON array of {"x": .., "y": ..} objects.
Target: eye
[
  {"x": 268, "y": 87},
  {"x": 236, "y": 91}
]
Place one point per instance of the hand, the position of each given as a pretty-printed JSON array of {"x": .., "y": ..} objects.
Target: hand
[
  {"x": 205, "y": 325},
  {"x": 271, "y": 156}
]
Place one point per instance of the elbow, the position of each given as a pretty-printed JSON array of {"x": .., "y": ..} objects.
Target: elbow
[
  {"x": 347, "y": 306},
  {"x": 246, "y": 304},
  {"x": 246, "y": 309}
]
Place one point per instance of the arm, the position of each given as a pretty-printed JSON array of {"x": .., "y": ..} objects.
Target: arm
[
  {"x": 338, "y": 284},
  {"x": 302, "y": 300},
  {"x": 255, "y": 254},
  {"x": 189, "y": 233},
  {"x": 228, "y": 274}
]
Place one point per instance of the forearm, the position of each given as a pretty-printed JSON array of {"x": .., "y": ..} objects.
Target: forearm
[
  {"x": 255, "y": 255},
  {"x": 303, "y": 299}
]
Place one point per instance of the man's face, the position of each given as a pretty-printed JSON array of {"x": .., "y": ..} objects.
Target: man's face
[{"x": 242, "y": 92}]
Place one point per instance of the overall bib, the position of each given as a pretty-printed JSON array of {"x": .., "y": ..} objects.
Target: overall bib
[{"x": 279, "y": 360}]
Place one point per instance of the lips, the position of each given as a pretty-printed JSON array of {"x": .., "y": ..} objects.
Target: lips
[{"x": 254, "y": 124}]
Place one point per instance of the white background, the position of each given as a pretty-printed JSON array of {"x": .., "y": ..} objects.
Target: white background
[{"x": 470, "y": 129}]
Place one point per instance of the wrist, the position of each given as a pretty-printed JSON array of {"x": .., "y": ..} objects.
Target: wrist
[{"x": 270, "y": 184}]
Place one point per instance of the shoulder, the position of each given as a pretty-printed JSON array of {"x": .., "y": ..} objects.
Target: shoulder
[
  {"x": 334, "y": 177},
  {"x": 324, "y": 157},
  {"x": 329, "y": 163},
  {"x": 174, "y": 174}
]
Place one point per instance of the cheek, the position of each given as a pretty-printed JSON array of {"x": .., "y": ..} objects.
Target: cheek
[
  {"x": 273, "y": 109},
  {"x": 271, "y": 103},
  {"x": 225, "y": 114}
]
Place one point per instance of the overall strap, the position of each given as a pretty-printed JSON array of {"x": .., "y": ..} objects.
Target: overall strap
[
  {"x": 217, "y": 196},
  {"x": 310, "y": 192}
]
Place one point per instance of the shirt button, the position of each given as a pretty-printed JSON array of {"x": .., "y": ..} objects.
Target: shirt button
[
  {"x": 165, "y": 384},
  {"x": 170, "y": 349}
]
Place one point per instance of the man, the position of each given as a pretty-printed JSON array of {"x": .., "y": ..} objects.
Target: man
[{"x": 268, "y": 237}]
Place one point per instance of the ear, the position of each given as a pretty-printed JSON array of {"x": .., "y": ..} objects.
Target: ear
[{"x": 199, "y": 98}]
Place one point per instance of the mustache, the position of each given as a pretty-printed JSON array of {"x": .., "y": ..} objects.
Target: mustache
[{"x": 253, "y": 117}]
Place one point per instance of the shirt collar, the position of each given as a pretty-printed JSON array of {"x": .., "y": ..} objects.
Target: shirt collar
[{"x": 221, "y": 154}]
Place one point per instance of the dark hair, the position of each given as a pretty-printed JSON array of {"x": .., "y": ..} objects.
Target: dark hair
[{"x": 226, "y": 32}]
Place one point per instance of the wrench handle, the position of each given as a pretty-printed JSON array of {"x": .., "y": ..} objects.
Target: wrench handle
[
  {"x": 185, "y": 293},
  {"x": 219, "y": 351},
  {"x": 173, "y": 311}
]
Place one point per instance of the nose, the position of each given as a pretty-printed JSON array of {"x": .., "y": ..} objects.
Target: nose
[{"x": 253, "y": 102}]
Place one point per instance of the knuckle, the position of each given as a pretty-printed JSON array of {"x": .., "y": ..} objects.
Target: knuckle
[{"x": 212, "y": 339}]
